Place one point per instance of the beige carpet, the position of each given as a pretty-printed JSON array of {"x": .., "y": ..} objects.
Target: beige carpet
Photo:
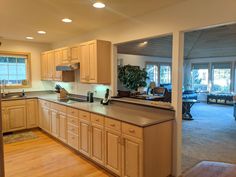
[
  {"x": 210, "y": 136},
  {"x": 18, "y": 137}
]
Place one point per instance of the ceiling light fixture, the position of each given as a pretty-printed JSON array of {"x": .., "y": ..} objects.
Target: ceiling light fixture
[
  {"x": 41, "y": 32},
  {"x": 99, "y": 5},
  {"x": 29, "y": 37},
  {"x": 145, "y": 42},
  {"x": 66, "y": 20}
]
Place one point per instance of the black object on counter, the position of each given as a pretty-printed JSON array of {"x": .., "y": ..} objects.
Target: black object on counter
[
  {"x": 58, "y": 88},
  {"x": 90, "y": 97},
  {"x": 105, "y": 101}
]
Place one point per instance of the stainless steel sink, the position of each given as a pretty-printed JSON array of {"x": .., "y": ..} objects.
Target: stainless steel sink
[{"x": 12, "y": 96}]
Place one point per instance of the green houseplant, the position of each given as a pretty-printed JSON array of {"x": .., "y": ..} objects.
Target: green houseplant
[{"x": 132, "y": 77}]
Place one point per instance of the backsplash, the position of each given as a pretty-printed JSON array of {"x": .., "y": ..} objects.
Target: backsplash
[{"x": 82, "y": 89}]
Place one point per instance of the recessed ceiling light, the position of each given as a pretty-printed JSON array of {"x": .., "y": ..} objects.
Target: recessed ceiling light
[
  {"x": 99, "y": 5},
  {"x": 145, "y": 42},
  {"x": 42, "y": 32},
  {"x": 29, "y": 37},
  {"x": 66, "y": 20}
]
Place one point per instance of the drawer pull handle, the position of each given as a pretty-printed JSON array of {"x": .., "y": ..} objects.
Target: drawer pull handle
[
  {"x": 131, "y": 130},
  {"x": 113, "y": 125},
  {"x": 84, "y": 116},
  {"x": 97, "y": 120}
]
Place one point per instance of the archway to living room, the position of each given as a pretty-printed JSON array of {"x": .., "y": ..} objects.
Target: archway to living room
[{"x": 209, "y": 86}]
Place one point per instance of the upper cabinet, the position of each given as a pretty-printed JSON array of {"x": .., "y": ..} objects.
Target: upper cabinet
[
  {"x": 95, "y": 62},
  {"x": 94, "y": 58}
]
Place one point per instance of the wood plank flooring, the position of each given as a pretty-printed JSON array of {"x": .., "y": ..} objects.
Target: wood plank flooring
[
  {"x": 45, "y": 157},
  {"x": 212, "y": 169}
]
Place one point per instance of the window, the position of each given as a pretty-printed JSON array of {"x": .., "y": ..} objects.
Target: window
[
  {"x": 221, "y": 77},
  {"x": 14, "y": 69},
  {"x": 200, "y": 72},
  {"x": 165, "y": 74},
  {"x": 160, "y": 73}
]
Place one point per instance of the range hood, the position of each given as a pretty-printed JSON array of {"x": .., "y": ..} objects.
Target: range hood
[{"x": 67, "y": 67}]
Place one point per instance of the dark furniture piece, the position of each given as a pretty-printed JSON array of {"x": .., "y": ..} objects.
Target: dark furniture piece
[
  {"x": 186, "y": 108},
  {"x": 189, "y": 94},
  {"x": 220, "y": 98}
]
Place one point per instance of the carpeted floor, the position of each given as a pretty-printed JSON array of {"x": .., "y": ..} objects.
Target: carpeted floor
[{"x": 210, "y": 136}]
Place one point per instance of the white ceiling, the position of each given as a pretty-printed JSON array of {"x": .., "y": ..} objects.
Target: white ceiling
[{"x": 21, "y": 18}]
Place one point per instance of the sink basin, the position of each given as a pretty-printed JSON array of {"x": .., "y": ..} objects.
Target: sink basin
[{"x": 12, "y": 96}]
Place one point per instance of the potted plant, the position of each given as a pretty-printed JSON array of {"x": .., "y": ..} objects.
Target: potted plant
[{"x": 132, "y": 77}]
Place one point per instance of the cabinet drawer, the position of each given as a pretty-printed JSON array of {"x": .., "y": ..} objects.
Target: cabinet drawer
[
  {"x": 13, "y": 103},
  {"x": 58, "y": 107},
  {"x": 73, "y": 112},
  {"x": 73, "y": 129},
  {"x": 97, "y": 119},
  {"x": 113, "y": 124},
  {"x": 73, "y": 140},
  {"x": 84, "y": 115},
  {"x": 44, "y": 103},
  {"x": 73, "y": 120},
  {"x": 132, "y": 130}
]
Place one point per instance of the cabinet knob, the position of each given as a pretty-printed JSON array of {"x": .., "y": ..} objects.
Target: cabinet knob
[
  {"x": 113, "y": 125},
  {"x": 131, "y": 130},
  {"x": 97, "y": 120}
]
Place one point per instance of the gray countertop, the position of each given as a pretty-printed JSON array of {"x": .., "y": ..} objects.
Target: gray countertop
[{"x": 134, "y": 114}]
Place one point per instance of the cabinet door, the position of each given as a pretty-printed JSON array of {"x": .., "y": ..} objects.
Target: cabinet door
[
  {"x": 16, "y": 118},
  {"x": 66, "y": 55},
  {"x": 46, "y": 120},
  {"x": 44, "y": 65},
  {"x": 74, "y": 54},
  {"x": 113, "y": 151},
  {"x": 62, "y": 127},
  {"x": 4, "y": 120},
  {"x": 84, "y": 63},
  {"x": 50, "y": 68},
  {"x": 84, "y": 137},
  {"x": 92, "y": 62},
  {"x": 54, "y": 123},
  {"x": 97, "y": 143},
  {"x": 32, "y": 113},
  {"x": 132, "y": 157},
  {"x": 57, "y": 61}
]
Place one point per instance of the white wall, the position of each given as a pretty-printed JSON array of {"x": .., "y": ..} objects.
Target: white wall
[{"x": 35, "y": 49}]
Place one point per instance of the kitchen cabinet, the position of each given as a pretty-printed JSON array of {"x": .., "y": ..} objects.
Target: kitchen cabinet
[
  {"x": 97, "y": 139},
  {"x": 4, "y": 120},
  {"x": 45, "y": 116},
  {"x": 51, "y": 66},
  {"x": 59, "y": 122},
  {"x": 66, "y": 55},
  {"x": 95, "y": 62},
  {"x": 74, "y": 54},
  {"x": 14, "y": 115},
  {"x": 73, "y": 127},
  {"x": 57, "y": 61},
  {"x": 132, "y": 157},
  {"x": 84, "y": 137},
  {"x": 32, "y": 113},
  {"x": 44, "y": 65}
]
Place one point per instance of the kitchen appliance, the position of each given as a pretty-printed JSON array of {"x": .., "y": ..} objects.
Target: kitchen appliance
[
  {"x": 90, "y": 96},
  {"x": 68, "y": 67},
  {"x": 105, "y": 101}
]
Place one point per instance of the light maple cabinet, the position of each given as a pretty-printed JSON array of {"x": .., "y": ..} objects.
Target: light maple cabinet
[
  {"x": 97, "y": 139},
  {"x": 45, "y": 116},
  {"x": 4, "y": 120},
  {"x": 32, "y": 113},
  {"x": 57, "y": 61},
  {"x": 47, "y": 65},
  {"x": 95, "y": 62},
  {"x": 74, "y": 54},
  {"x": 66, "y": 55},
  {"x": 84, "y": 137},
  {"x": 14, "y": 115},
  {"x": 59, "y": 121},
  {"x": 113, "y": 146}
]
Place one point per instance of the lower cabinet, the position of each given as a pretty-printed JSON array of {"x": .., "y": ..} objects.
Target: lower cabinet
[
  {"x": 113, "y": 151},
  {"x": 84, "y": 137},
  {"x": 54, "y": 124},
  {"x": 62, "y": 127},
  {"x": 97, "y": 143},
  {"x": 46, "y": 119},
  {"x": 132, "y": 152},
  {"x": 14, "y": 115},
  {"x": 32, "y": 113}
]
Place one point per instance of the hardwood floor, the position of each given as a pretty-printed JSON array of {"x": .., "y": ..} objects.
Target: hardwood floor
[
  {"x": 212, "y": 169},
  {"x": 45, "y": 157}
]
